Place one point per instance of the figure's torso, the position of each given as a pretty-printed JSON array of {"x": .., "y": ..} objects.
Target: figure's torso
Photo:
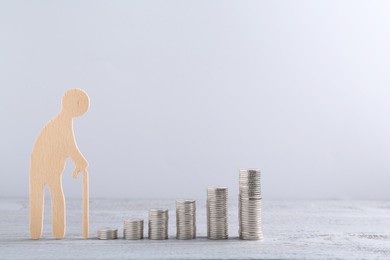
[{"x": 51, "y": 147}]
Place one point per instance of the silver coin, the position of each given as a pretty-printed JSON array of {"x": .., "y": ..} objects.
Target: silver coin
[
  {"x": 158, "y": 224},
  {"x": 107, "y": 233},
  {"x": 217, "y": 213},
  {"x": 250, "y": 204},
  {"x": 185, "y": 219},
  {"x": 133, "y": 229}
]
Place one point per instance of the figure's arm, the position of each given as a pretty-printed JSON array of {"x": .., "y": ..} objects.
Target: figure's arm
[{"x": 74, "y": 153}]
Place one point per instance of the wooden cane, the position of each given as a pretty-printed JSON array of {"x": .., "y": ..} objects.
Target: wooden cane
[{"x": 85, "y": 205}]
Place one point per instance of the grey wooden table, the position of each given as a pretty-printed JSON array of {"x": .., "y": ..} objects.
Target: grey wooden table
[{"x": 293, "y": 230}]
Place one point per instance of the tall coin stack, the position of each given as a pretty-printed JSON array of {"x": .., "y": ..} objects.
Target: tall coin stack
[
  {"x": 250, "y": 227},
  {"x": 133, "y": 229},
  {"x": 158, "y": 224},
  {"x": 185, "y": 219},
  {"x": 217, "y": 213}
]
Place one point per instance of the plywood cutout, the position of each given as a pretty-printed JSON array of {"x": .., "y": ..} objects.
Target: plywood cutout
[{"x": 55, "y": 143}]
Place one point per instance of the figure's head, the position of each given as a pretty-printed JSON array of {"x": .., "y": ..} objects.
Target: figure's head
[{"x": 75, "y": 102}]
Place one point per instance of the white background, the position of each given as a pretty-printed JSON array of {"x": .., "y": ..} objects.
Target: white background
[{"x": 185, "y": 93}]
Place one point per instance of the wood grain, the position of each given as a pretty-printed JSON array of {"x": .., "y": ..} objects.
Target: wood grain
[{"x": 55, "y": 143}]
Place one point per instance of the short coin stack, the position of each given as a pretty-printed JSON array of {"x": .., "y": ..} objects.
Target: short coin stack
[
  {"x": 250, "y": 227},
  {"x": 107, "y": 233},
  {"x": 185, "y": 219},
  {"x": 217, "y": 218},
  {"x": 133, "y": 229},
  {"x": 158, "y": 224}
]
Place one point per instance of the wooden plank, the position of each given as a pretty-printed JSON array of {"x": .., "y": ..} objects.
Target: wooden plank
[{"x": 292, "y": 230}]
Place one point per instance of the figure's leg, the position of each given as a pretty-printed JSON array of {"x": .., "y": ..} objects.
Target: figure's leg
[
  {"x": 58, "y": 207},
  {"x": 37, "y": 191}
]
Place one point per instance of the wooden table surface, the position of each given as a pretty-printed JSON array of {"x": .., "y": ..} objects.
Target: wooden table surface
[{"x": 292, "y": 229}]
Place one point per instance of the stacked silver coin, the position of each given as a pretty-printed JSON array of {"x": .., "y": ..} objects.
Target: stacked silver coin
[
  {"x": 133, "y": 229},
  {"x": 217, "y": 213},
  {"x": 107, "y": 233},
  {"x": 185, "y": 219},
  {"x": 250, "y": 227},
  {"x": 158, "y": 224}
]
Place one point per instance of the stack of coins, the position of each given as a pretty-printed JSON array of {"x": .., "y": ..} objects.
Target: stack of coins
[
  {"x": 185, "y": 219},
  {"x": 107, "y": 233},
  {"x": 249, "y": 214},
  {"x": 133, "y": 229},
  {"x": 158, "y": 224},
  {"x": 217, "y": 214}
]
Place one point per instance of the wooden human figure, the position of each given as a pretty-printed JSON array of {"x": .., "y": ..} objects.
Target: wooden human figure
[{"x": 54, "y": 145}]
